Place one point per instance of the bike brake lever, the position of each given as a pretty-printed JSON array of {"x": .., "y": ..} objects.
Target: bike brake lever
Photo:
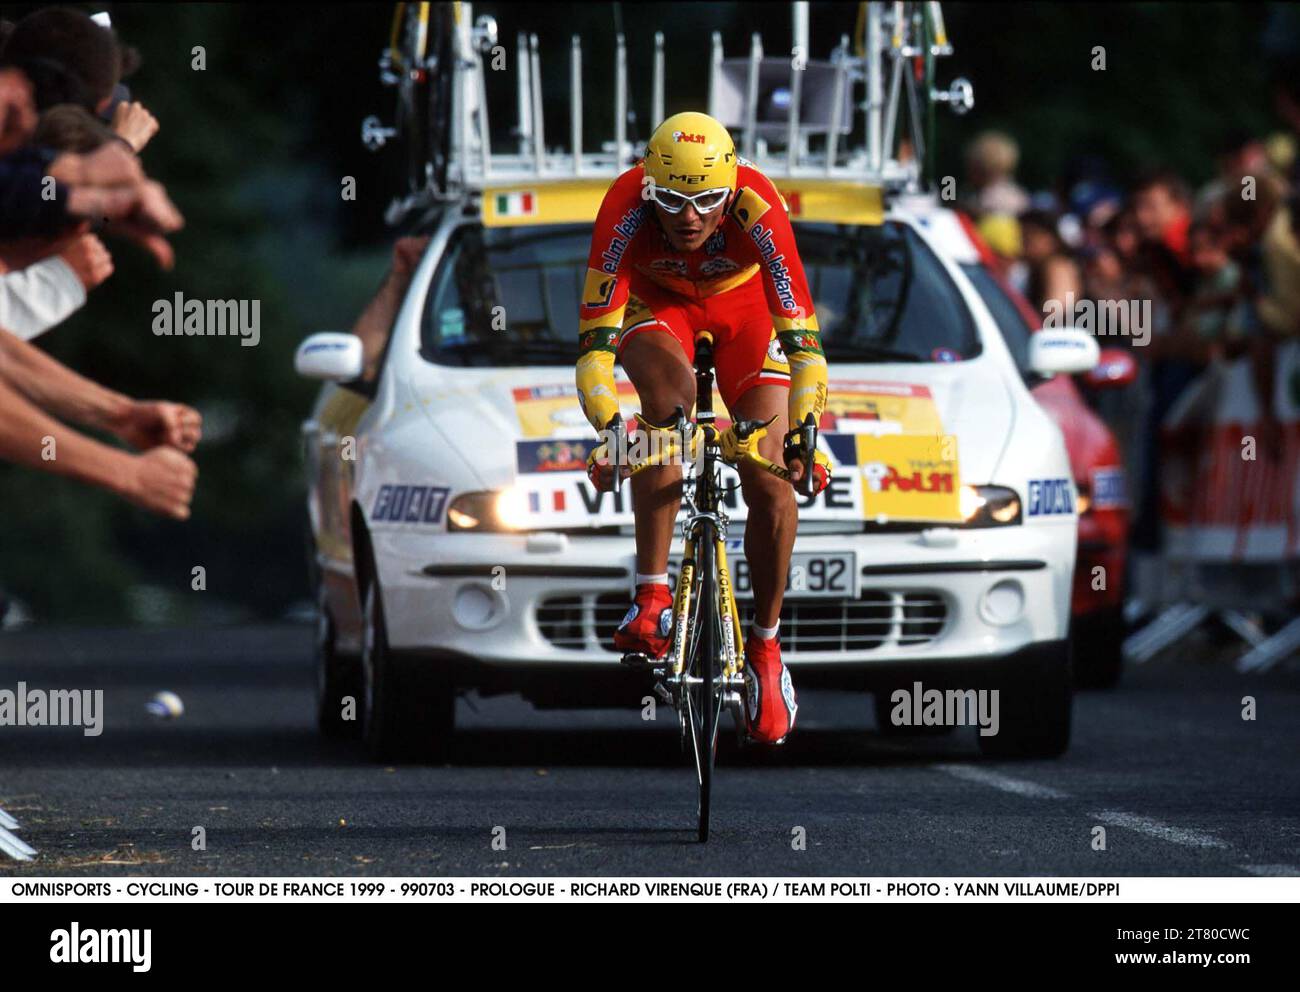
[
  {"x": 810, "y": 462},
  {"x": 747, "y": 427},
  {"x": 618, "y": 447}
]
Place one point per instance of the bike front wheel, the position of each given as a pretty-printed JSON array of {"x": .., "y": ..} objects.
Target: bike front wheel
[{"x": 704, "y": 696}]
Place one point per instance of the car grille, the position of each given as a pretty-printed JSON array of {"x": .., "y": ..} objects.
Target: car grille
[{"x": 877, "y": 618}]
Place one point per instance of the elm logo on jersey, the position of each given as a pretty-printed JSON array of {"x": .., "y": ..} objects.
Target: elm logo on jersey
[
  {"x": 776, "y": 265},
  {"x": 1050, "y": 496},
  {"x": 24, "y": 707},
  {"x": 180, "y": 317},
  {"x": 624, "y": 231},
  {"x": 77, "y": 946},
  {"x": 410, "y": 504}
]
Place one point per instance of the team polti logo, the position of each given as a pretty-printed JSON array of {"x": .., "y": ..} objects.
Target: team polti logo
[
  {"x": 519, "y": 203},
  {"x": 695, "y": 139},
  {"x": 881, "y": 477}
]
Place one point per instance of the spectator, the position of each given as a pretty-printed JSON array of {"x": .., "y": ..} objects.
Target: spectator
[
  {"x": 1049, "y": 269},
  {"x": 1162, "y": 212},
  {"x": 991, "y": 161},
  {"x": 67, "y": 56},
  {"x": 65, "y": 64},
  {"x": 1206, "y": 322}
]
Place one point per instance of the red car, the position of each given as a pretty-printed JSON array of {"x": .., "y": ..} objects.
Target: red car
[{"x": 1095, "y": 459}]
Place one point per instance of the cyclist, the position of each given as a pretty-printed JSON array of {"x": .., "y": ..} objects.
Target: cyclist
[{"x": 694, "y": 238}]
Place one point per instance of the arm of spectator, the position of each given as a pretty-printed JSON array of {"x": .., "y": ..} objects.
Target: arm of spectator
[
  {"x": 28, "y": 203},
  {"x": 54, "y": 387},
  {"x": 134, "y": 124},
  {"x": 34, "y": 299},
  {"x": 376, "y": 320},
  {"x": 160, "y": 480},
  {"x": 109, "y": 183}
]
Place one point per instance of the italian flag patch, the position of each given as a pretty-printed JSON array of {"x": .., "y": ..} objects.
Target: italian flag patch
[{"x": 519, "y": 204}]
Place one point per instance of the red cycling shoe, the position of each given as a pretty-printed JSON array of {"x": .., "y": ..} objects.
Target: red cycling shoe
[
  {"x": 770, "y": 702},
  {"x": 648, "y": 622}
]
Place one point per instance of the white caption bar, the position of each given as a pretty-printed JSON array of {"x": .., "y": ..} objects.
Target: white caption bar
[{"x": 397, "y": 890}]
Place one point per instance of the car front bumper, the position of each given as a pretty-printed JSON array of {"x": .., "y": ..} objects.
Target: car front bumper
[{"x": 554, "y": 599}]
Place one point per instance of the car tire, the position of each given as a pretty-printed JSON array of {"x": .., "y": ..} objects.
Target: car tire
[
  {"x": 1098, "y": 644},
  {"x": 409, "y": 705},
  {"x": 338, "y": 677},
  {"x": 886, "y": 726},
  {"x": 1037, "y": 698}
]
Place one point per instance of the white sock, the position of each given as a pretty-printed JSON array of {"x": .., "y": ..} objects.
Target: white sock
[
  {"x": 765, "y": 633},
  {"x": 660, "y": 580}
]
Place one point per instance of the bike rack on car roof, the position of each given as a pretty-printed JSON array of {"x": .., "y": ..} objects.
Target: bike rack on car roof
[{"x": 889, "y": 40}]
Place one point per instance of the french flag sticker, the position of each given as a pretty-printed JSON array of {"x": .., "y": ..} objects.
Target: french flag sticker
[{"x": 556, "y": 501}]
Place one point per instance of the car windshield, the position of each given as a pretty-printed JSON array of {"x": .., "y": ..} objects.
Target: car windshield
[
  {"x": 1011, "y": 322},
  {"x": 509, "y": 296}
]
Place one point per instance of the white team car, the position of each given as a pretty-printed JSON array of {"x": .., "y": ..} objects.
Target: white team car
[{"x": 458, "y": 544}]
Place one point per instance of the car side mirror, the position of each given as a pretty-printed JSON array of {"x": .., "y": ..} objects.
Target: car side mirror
[
  {"x": 1052, "y": 351},
  {"x": 1115, "y": 368},
  {"x": 330, "y": 356}
]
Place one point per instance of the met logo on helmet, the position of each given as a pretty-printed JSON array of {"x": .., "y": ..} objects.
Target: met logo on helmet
[
  {"x": 691, "y": 178},
  {"x": 696, "y": 139}
]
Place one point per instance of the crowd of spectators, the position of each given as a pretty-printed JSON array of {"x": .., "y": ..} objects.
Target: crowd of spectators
[
  {"x": 71, "y": 181},
  {"x": 1218, "y": 269}
]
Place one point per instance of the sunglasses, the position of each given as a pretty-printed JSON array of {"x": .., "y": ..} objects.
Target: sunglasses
[{"x": 704, "y": 203}]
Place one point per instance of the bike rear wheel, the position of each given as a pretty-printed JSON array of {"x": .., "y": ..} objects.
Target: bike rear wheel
[{"x": 703, "y": 694}]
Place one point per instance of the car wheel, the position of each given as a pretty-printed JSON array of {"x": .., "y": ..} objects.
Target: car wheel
[
  {"x": 1034, "y": 708},
  {"x": 338, "y": 679},
  {"x": 886, "y": 726},
  {"x": 1098, "y": 649},
  {"x": 409, "y": 704}
]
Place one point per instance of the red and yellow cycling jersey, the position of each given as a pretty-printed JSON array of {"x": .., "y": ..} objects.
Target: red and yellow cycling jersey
[{"x": 753, "y": 246}]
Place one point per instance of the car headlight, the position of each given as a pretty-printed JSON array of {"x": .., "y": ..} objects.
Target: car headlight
[
  {"x": 989, "y": 506},
  {"x": 1083, "y": 498},
  {"x": 486, "y": 512}
]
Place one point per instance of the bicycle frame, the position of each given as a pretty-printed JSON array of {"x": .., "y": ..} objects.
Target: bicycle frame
[
  {"x": 701, "y": 674},
  {"x": 707, "y": 447}
]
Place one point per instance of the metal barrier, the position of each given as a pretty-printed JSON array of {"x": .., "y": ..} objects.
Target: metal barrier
[
  {"x": 9, "y": 843},
  {"x": 1232, "y": 516}
]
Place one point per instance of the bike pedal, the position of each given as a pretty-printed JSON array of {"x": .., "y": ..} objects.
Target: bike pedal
[{"x": 638, "y": 661}]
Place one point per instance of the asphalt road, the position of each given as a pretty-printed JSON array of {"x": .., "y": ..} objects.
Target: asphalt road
[{"x": 1166, "y": 764}]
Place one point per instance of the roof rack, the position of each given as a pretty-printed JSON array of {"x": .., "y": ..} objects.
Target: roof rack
[{"x": 793, "y": 116}]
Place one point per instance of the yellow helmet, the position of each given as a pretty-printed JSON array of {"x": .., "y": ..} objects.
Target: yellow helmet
[{"x": 689, "y": 153}]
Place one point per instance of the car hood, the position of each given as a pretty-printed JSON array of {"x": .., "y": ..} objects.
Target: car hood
[{"x": 498, "y": 418}]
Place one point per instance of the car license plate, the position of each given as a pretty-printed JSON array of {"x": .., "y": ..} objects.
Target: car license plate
[{"x": 813, "y": 574}]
